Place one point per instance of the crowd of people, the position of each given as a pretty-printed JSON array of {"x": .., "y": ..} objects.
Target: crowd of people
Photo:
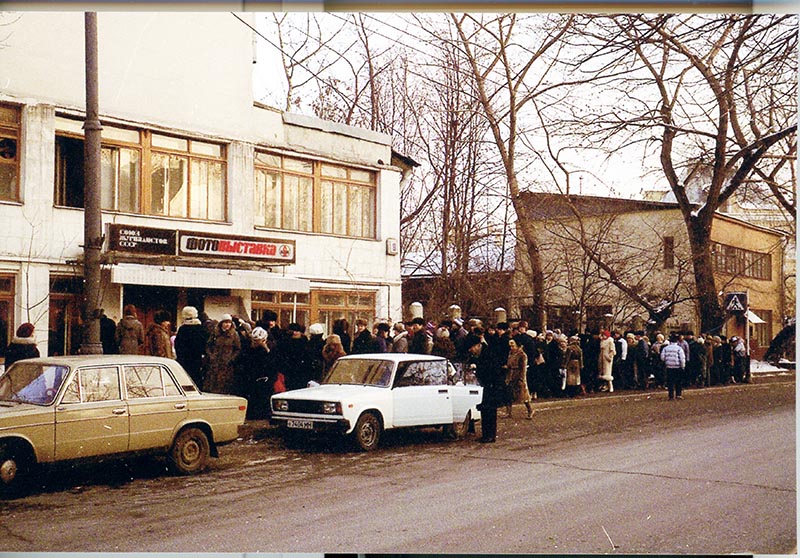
[{"x": 514, "y": 363}]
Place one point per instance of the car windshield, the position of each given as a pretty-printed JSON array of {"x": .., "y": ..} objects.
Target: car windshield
[
  {"x": 368, "y": 372},
  {"x": 26, "y": 382}
]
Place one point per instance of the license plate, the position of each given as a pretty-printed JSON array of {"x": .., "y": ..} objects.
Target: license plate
[{"x": 301, "y": 424}]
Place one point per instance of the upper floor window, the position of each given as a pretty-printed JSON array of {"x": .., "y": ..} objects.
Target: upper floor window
[
  {"x": 738, "y": 261},
  {"x": 300, "y": 195},
  {"x": 144, "y": 172},
  {"x": 10, "y": 119}
]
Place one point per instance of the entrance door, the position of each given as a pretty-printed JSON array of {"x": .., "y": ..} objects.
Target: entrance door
[{"x": 149, "y": 300}]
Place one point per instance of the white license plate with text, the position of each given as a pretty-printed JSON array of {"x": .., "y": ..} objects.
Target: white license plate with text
[{"x": 303, "y": 424}]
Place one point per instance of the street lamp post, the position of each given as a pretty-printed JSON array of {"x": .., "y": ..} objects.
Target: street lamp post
[{"x": 92, "y": 221}]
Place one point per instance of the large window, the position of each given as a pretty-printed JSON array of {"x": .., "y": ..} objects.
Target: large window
[
  {"x": 9, "y": 151},
  {"x": 323, "y": 307},
  {"x": 144, "y": 172},
  {"x": 299, "y": 195},
  {"x": 744, "y": 263}
]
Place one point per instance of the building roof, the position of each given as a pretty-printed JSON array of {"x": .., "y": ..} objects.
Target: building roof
[{"x": 543, "y": 205}]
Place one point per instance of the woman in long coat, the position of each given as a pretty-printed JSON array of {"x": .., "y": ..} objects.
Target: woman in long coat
[
  {"x": 606, "y": 359},
  {"x": 156, "y": 340},
  {"x": 573, "y": 362},
  {"x": 517, "y": 377},
  {"x": 222, "y": 349},
  {"x": 130, "y": 332}
]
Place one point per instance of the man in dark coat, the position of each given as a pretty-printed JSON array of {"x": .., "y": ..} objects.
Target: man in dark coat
[
  {"x": 363, "y": 342},
  {"x": 292, "y": 357},
  {"x": 108, "y": 334},
  {"x": 492, "y": 377}
]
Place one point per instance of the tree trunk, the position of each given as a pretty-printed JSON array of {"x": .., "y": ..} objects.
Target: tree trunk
[{"x": 712, "y": 315}]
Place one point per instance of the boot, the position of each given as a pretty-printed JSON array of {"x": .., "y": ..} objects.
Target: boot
[{"x": 530, "y": 410}]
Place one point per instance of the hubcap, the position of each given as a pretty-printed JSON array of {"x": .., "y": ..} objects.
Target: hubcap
[
  {"x": 191, "y": 451},
  {"x": 8, "y": 471}
]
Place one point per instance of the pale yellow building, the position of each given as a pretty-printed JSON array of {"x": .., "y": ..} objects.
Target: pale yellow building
[{"x": 645, "y": 245}]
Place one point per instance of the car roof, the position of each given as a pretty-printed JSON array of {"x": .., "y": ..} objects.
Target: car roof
[
  {"x": 83, "y": 360},
  {"x": 394, "y": 357}
]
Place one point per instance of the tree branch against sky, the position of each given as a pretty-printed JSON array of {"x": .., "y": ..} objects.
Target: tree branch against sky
[{"x": 694, "y": 97}]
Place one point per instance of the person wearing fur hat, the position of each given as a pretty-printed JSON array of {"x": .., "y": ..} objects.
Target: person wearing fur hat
[
  {"x": 190, "y": 344},
  {"x": 313, "y": 350},
  {"x": 22, "y": 346},
  {"x": 222, "y": 349},
  {"x": 332, "y": 351}
]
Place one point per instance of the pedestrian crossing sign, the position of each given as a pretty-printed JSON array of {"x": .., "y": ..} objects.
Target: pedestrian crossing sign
[{"x": 736, "y": 302}]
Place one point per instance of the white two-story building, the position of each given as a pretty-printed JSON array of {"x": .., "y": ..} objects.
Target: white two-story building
[{"x": 209, "y": 199}]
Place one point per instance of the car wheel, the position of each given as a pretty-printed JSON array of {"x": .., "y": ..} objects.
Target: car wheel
[
  {"x": 190, "y": 451},
  {"x": 14, "y": 470},
  {"x": 458, "y": 430},
  {"x": 367, "y": 432}
]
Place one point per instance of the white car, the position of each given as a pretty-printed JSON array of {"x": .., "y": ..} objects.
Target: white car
[{"x": 363, "y": 395}]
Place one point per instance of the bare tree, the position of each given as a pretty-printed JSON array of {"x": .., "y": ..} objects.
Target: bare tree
[{"x": 720, "y": 90}]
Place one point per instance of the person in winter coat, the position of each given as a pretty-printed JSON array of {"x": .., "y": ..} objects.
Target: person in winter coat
[
  {"x": 573, "y": 363},
  {"x": 363, "y": 342},
  {"x": 332, "y": 351},
  {"x": 190, "y": 344},
  {"x": 22, "y": 346},
  {"x": 222, "y": 349},
  {"x": 400, "y": 339},
  {"x": 108, "y": 334},
  {"x": 420, "y": 342},
  {"x": 157, "y": 339},
  {"x": 256, "y": 374},
  {"x": 292, "y": 357},
  {"x": 517, "y": 377},
  {"x": 341, "y": 327},
  {"x": 442, "y": 345},
  {"x": 313, "y": 358},
  {"x": 130, "y": 332},
  {"x": 492, "y": 377},
  {"x": 674, "y": 359},
  {"x": 606, "y": 360}
]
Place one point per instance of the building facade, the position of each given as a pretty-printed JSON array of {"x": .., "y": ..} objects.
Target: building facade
[
  {"x": 646, "y": 246},
  {"x": 208, "y": 198}
]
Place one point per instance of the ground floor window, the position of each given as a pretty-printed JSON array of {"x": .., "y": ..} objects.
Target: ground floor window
[
  {"x": 762, "y": 333},
  {"x": 318, "y": 306},
  {"x": 65, "y": 331}
]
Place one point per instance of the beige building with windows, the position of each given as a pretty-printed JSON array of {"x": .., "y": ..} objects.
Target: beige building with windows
[
  {"x": 209, "y": 198},
  {"x": 646, "y": 245}
]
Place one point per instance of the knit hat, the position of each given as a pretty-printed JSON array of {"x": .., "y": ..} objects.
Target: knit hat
[
  {"x": 316, "y": 329},
  {"x": 226, "y": 318},
  {"x": 25, "y": 330}
]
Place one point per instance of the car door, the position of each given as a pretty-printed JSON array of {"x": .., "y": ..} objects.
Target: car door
[
  {"x": 155, "y": 403},
  {"x": 420, "y": 394},
  {"x": 92, "y": 417}
]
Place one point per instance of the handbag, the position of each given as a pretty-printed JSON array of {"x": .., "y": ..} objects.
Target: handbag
[{"x": 539, "y": 360}]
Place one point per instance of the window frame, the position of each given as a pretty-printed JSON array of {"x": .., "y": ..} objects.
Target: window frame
[
  {"x": 11, "y": 129},
  {"x": 146, "y": 151},
  {"x": 329, "y": 182}
]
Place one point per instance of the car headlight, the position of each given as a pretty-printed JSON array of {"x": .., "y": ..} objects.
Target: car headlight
[
  {"x": 280, "y": 405},
  {"x": 331, "y": 408}
]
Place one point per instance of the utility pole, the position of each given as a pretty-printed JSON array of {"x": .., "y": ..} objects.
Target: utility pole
[{"x": 92, "y": 221}]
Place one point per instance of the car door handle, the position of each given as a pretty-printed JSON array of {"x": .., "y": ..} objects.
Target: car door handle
[
  {"x": 444, "y": 391},
  {"x": 180, "y": 405},
  {"x": 118, "y": 411}
]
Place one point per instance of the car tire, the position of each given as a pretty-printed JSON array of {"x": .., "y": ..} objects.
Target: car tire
[
  {"x": 367, "y": 433},
  {"x": 190, "y": 451},
  {"x": 15, "y": 469},
  {"x": 458, "y": 430}
]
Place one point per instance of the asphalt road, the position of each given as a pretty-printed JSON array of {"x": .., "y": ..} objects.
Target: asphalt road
[{"x": 628, "y": 473}]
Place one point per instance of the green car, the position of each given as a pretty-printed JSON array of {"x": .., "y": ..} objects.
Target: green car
[{"x": 64, "y": 409}]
